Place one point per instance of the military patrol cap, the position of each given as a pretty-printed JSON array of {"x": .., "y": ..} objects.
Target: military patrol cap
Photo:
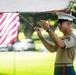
[{"x": 64, "y": 17}]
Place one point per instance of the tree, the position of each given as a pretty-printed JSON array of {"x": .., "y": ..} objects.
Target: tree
[
  {"x": 74, "y": 13},
  {"x": 34, "y": 19}
]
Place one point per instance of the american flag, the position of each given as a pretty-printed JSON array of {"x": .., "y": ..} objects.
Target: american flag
[{"x": 9, "y": 23}]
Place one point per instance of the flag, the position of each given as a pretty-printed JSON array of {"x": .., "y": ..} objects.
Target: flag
[{"x": 9, "y": 23}]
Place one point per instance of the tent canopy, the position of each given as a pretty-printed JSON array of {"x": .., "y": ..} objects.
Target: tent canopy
[{"x": 32, "y": 5}]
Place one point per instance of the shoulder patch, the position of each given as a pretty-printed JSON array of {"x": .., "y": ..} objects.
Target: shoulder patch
[{"x": 68, "y": 38}]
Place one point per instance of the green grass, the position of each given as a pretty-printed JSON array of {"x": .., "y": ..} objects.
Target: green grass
[{"x": 27, "y": 63}]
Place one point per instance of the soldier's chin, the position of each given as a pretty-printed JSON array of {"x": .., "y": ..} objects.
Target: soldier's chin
[{"x": 61, "y": 30}]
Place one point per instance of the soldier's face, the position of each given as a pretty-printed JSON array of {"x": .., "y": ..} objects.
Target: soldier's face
[{"x": 63, "y": 26}]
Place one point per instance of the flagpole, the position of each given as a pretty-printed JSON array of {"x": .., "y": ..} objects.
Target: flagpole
[
  {"x": 26, "y": 20},
  {"x": 14, "y": 63}
]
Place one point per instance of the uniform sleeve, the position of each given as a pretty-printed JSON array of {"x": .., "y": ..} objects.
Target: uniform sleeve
[
  {"x": 69, "y": 42},
  {"x": 55, "y": 48}
]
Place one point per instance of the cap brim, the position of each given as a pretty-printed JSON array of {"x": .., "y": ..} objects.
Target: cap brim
[
  {"x": 62, "y": 20},
  {"x": 65, "y": 16}
]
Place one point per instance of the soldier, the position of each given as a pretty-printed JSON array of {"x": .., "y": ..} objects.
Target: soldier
[{"x": 64, "y": 47}]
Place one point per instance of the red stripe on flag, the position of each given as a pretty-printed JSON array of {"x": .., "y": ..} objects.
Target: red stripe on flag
[
  {"x": 9, "y": 23},
  {"x": 12, "y": 40}
]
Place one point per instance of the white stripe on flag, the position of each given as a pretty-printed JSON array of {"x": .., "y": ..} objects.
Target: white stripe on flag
[{"x": 9, "y": 23}]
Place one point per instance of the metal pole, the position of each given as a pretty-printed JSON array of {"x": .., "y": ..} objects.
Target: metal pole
[{"x": 26, "y": 21}]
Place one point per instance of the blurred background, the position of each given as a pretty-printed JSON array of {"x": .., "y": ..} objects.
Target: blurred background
[{"x": 27, "y": 55}]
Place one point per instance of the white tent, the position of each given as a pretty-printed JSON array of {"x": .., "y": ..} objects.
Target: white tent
[{"x": 32, "y": 5}]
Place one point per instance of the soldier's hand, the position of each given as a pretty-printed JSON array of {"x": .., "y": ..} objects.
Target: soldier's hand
[
  {"x": 38, "y": 31},
  {"x": 44, "y": 24}
]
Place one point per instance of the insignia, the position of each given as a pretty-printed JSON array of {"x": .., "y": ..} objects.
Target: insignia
[{"x": 68, "y": 38}]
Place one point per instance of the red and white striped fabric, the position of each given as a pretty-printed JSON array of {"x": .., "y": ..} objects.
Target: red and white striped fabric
[{"x": 9, "y": 23}]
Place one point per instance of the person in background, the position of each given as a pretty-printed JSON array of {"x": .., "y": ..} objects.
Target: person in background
[{"x": 65, "y": 47}]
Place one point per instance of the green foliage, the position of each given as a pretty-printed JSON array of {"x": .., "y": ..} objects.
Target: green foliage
[
  {"x": 74, "y": 8},
  {"x": 22, "y": 26},
  {"x": 38, "y": 16}
]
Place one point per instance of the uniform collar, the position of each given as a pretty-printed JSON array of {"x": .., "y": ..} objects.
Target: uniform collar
[{"x": 71, "y": 32}]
